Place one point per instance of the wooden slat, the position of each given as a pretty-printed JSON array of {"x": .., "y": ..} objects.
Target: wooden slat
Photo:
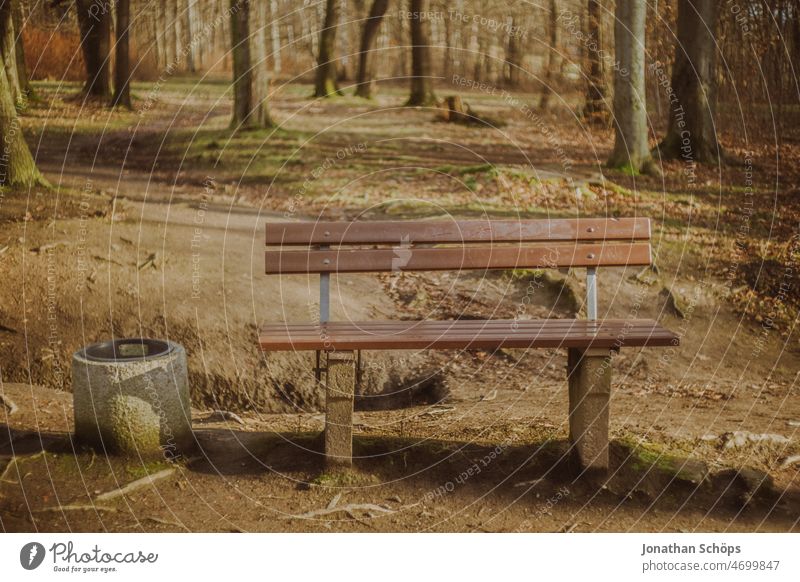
[
  {"x": 468, "y": 258},
  {"x": 461, "y": 334},
  {"x": 402, "y": 232}
]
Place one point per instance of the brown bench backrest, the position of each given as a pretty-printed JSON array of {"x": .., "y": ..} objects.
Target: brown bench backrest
[{"x": 333, "y": 247}]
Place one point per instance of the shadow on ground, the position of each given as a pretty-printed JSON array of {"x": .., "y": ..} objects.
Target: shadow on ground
[{"x": 285, "y": 464}]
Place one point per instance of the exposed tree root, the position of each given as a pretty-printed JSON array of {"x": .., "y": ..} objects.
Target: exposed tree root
[{"x": 133, "y": 486}]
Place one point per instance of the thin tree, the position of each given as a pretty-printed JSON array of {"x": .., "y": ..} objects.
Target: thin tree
[
  {"x": 631, "y": 152},
  {"x": 170, "y": 28},
  {"x": 513, "y": 56},
  {"x": 191, "y": 60},
  {"x": 366, "y": 62},
  {"x": 122, "y": 64},
  {"x": 595, "y": 110},
  {"x": 552, "y": 61},
  {"x": 421, "y": 81},
  {"x": 261, "y": 76},
  {"x": 691, "y": 134},
  {"x": 94, "y": 21},
  {"x": 275, "y": 36},
  {"x": 325, "y": 84},
  {"x": 242, "y": 71}
]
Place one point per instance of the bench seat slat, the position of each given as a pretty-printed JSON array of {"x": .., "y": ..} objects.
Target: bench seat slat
[
  {"x": 460, "y": 334},
  {"x": 446, "y": 259},
  {"x": 394, "y": 232}
]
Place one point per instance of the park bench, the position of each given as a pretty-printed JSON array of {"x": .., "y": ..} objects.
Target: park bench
[{"x": 395, "y": 246}]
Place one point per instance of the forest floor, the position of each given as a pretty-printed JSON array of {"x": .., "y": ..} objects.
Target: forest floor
[{"x": 154, "y": 227}]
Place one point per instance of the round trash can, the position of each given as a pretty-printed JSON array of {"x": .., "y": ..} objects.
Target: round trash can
[{"x": 131, "y": 397}]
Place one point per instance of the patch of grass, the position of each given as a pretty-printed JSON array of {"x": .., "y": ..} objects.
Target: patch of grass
[
  {"x": 344, "y": 478},
  {"x": 526, "y": 274},
  {"x": 646, "y": 456},
  {"x": 467, "y": 172},
  {"x": 146, "y": 468}
]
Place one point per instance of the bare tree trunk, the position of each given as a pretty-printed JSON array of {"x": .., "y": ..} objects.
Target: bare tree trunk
[
  {"x": 692, "y": 135},
  {"x": 552, "y": 61},
  {"x": 325, "y": 84},
  {"x": 170, "y": 38},
  {"x": 179, "y": 31},
  {"x": 261, "y": 77},
  {"x": 366, "y": 63},
  {"x": 17, "y": 167},
  {"x": 421, "y": 81},
  {"x": 122, "y": 66},
  {"x": 631, "y": 152},
  {"x": 448, "y": 48},
  {"x": 275, "y": 34},
  {"x": 513, "y": 57},
  {"x": 94, "y": 20},
  {"x": 23, "y": 79},
  {"x": 8, "y": 49},
  {"x": 190, "y": 16},
  {"x": 477, "y": 65},
  {"x": 595, "y": 109},
  {"x": 343, "y": 64},
  {"x": 242, "y": 71},
  {"x": 158, "y": 19}
]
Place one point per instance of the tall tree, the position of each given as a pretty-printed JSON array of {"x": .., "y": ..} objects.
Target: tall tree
[
  {"x": 170, "y": 28},
  {"x": 325, "y": 84},
  {"x": 513, "y": 56},
  {"x": 275, "y": 36},
  {"x": 631, "y": 152},
  {"x": 23, "y": 80},
  {"x": 17, "y": 167},
  {"x": 242, "y": 71},
  {"x": 191, "y": 25},
  {"x": 691, "y": 132},
  {"x": 421, "y": 80},
  {"x": 122, "y": 63},
  {"x": 250, "y": 81},
  {"x": 8, "y": 48},
  {"x": 552, "y": 61},
  {"x": 366, "y": 63},
  {"x": 261, "y": 76},
  {"x": 94, "y": 21},
  {"x": 595, "y": 110}
]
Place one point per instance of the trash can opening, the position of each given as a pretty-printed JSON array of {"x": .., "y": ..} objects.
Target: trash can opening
[{"x": 127, "y": 349}]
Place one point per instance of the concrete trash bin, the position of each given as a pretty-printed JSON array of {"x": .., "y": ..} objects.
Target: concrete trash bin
[{"x": 131, "y": 397}]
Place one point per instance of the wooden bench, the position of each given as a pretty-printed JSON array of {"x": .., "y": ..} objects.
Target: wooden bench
[{"x": 386, "y": 246}]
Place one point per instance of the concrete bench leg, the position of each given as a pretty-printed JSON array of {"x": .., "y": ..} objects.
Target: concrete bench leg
[
  {"x": 589, "y": 374},
  {"x": 339, "y": 394}
]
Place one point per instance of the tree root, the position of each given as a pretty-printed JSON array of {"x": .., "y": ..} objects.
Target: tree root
[
  {"x": 161, "y": 521},
  {"x": 74, "y": 507},
  {"x": 133, "y": 486},
  {"x": 14, "y": 461},
  {"x": 349, "y": 510},
  {"x": 9, "y": 404}
]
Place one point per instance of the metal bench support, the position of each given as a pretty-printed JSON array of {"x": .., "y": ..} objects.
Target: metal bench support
[
  {"x": 589, "y": 376},
  {"x": 340, "y": 382},
  {"x": 591, "y": 293}
]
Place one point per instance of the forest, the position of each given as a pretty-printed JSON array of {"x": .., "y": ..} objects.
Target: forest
[{"x": 146, "y": 145}]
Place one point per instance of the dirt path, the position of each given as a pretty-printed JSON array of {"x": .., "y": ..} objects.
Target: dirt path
[{"x": 160, "y": 249}]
